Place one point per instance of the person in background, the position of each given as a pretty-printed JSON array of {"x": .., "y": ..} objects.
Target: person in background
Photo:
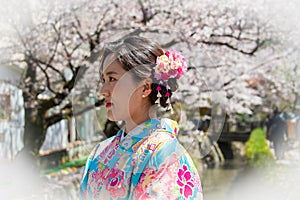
[
  {"x": 144, "y": 160},
  {"x": 268, "y": 124},
  {"x": 277, "y": 133}
]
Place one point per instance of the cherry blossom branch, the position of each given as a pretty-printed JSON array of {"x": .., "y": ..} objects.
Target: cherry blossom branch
[
  {"x": 56, "y": 45},
  {"x": 250, "y": 53},
  {"x": 147, "y": 15},
  {"x": 67, "y": 112},
  {"x": 48, "y": 65},
  {"x": 47, "y": 78},
  {"x": 263, "y": 64}
]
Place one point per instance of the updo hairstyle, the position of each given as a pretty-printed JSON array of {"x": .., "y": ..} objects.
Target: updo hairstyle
[{"x": 138, "y": 55}]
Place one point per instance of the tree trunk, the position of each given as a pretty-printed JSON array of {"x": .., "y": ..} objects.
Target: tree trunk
[{"x": 34, "y": 135}]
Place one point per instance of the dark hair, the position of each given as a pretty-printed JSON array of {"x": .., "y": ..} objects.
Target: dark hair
[{"x": 138, "y": 55}]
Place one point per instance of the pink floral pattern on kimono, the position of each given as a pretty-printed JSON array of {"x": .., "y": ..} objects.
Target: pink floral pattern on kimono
[
  {"x": 185, "y": 181},
  {"x": 149, "y": 163},
  {"x": 164, "y": 176}
]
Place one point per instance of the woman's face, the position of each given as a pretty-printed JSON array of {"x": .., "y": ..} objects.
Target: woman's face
[{"x": 123, "y": 94}]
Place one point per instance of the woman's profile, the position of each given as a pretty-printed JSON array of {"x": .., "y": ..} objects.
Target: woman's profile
[{"x": 144, "y": 160}]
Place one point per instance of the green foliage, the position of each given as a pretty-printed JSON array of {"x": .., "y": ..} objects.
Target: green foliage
[
  {"x": 243, "y": 117},
  {"x": 75, "y": 163},
  {"x": 257, "y": 150}
]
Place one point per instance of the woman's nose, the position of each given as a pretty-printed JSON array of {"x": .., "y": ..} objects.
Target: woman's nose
[{"x": 105, "y": 91}]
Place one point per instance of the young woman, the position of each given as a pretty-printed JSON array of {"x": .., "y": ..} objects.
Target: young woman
[{"x": 144, "y": 160}]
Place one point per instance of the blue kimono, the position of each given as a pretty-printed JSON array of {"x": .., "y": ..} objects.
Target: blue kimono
[{"x": 148, "y": 163}]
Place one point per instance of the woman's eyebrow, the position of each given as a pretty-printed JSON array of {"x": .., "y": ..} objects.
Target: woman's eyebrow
[{"x": 108, "y": 73}]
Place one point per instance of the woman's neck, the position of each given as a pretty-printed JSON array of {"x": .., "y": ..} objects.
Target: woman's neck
[
  {"x": 130, "y": 124},
  {"x": 135, "y": 121}
]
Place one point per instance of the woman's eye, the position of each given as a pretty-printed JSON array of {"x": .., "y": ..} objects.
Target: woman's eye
[
  {"x": 112, "y": 79},
  {"x": 109, "y": 79}
]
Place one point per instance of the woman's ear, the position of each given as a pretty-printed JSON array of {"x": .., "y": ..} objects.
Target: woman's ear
[{"x": 147, "y": 87}]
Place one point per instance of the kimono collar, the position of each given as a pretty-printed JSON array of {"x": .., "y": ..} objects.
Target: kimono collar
[
  {"x": 170, "y": 126},
  {"x": 147, "y": 128}
]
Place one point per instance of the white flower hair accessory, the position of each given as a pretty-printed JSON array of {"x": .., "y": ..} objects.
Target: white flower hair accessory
[{"x": 169, "y": 65}]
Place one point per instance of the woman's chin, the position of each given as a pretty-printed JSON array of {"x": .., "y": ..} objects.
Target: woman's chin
[{"x": 111, "y": 117}]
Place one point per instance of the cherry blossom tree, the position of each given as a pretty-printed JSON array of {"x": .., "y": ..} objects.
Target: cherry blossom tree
[{"x": 58, "y": 45}]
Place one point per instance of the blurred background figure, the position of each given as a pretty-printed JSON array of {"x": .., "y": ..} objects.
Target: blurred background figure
[{"x": 277, "y": 132}]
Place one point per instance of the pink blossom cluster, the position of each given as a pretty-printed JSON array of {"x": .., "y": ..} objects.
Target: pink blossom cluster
[{"x": 170, "y": 65}]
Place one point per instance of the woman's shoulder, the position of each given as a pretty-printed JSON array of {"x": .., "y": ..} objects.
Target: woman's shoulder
[
  {"x": 169, "y": 125},
  {"x": 160, "y": 141},
  {"x": 161, "y": 136},
  {"x": 100, "y": 146}
]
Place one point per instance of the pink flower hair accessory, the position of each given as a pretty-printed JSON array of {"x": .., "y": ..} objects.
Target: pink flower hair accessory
[{"x": 169, "y": 65}]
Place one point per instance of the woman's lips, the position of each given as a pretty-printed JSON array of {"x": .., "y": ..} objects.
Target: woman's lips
[{"x": 108, "y": 105}]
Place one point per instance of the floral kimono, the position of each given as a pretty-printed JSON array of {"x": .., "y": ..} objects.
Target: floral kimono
[{"x": 148, "y": 163}]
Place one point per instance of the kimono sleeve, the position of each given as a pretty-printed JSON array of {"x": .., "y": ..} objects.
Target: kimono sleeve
[
  {"x": 90, "y": 158},
  {"x": 96, "y": 150},
  {"x": 170, "y": 174}
]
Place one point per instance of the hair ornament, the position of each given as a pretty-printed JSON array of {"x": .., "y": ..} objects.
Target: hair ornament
[{"x": 169, "y": 65}]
